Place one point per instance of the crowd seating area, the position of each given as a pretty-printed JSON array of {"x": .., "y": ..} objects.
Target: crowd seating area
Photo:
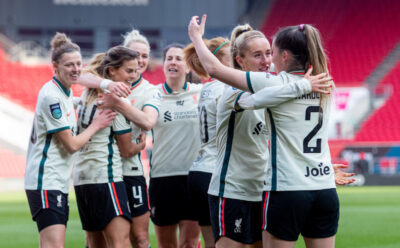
[
  {"x": 384, "y": 123},
  {"x": 357, "y": 34}
]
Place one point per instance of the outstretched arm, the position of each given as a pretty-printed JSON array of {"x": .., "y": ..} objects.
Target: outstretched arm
[{"x": 93, "y": 81}]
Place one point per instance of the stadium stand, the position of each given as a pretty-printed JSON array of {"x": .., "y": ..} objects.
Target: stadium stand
[
  {"x": 363, "y": 34},
  {"x": 383, "y": 124}
]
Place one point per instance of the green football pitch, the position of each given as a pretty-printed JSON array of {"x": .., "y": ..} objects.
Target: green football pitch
[{"x": 369, "y": 217}]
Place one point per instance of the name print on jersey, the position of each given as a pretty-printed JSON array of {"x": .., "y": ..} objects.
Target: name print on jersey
[
  {"x": 312, "y": 95},
  {"x": 320, "y": 171}
]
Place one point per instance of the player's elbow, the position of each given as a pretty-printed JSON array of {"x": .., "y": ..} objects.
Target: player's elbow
[{"x": 71, "y": 149}]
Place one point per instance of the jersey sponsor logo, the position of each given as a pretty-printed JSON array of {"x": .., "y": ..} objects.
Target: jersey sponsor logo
[
  {"x": 167, "y": 116},
  {"x": 238, "y": 225},
  {"x": 320, "y": 171},
  {"x": 180, "y": 103},
  {"x": 55, "y": 110}
]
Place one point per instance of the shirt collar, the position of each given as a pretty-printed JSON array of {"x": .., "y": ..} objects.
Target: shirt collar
[
  {"x": 66, "y": 92},
  {"x": 168, "y": 90}
]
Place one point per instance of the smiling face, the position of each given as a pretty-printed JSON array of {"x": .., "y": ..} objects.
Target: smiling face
[
  {"x": 174, "y": 65},
  {"x": 257, "y": 56},
  {"x": 127, "y": 73},
  {"x": 68, "y": 68},
  {"x": 144, "y": 55}
]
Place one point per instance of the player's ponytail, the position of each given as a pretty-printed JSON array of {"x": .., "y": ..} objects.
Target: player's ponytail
[
  {"x": 61, "y": 44},
  {"x": 192, "y": 59},
  {"x": 304, "y": 44},
  {"x": 239, "y": 37}
]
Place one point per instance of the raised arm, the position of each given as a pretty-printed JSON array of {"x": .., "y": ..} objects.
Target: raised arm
[{"x": 213, "y": 66}]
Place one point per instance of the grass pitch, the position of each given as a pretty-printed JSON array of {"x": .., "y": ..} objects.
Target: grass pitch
[{"x": 369, "y": 218}]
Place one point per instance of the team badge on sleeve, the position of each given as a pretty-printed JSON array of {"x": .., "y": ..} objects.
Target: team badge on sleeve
[{"x": 55, "y": 110}]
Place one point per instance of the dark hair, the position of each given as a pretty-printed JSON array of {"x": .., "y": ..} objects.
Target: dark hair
[
  {"x": 115, "y": 58},
  {"x": 61, "y": 44},
  {"x": 172, "y": 45},
  {"x": 305, "y": 45}
]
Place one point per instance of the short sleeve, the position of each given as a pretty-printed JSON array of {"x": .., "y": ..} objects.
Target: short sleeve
[
  {"x": 120, "y": 124},
  {"x": 153, "y": 99},
  {"x": 54, "y": 112},
  {"x": 231, "y": 96}
]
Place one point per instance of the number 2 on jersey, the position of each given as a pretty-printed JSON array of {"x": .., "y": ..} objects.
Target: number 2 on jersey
[{"x": 314, "y": 131}]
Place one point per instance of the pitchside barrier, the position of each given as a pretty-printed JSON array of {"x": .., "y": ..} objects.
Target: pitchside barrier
[{"x": 375, "y": 163}]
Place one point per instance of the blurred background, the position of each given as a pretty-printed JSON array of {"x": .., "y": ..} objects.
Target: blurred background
[{"x": 361, "y": 37}]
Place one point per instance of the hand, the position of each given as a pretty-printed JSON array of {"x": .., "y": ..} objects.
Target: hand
[
  {"x": 319, "y": 83},
  {"x": 142, "y": 140},
  {"x": 103, "y": 118},
  {"x": 194, "y": 29},
  {"x": 341, "y": 177},
  {"x": 119, "y": 89},
  {"x": 107, "y": 100}
]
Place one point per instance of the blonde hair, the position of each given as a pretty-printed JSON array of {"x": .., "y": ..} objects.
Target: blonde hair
[
  {"x": 192, "y": 59},
  {"x": 239, "y": 37},
  {"x": 134, "y": 36}
]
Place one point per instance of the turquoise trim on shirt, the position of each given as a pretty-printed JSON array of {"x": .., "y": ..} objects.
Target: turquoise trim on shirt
[
  {"x": 273, "y": 152},
  {"x": 66, "y": 92},
  {"x": 236, "y": 101},
  {"x": 123, "y": 131},
  {"x": 137, "y": 81},
  {"x": 228, "y": 149},
  {"x": 249, "y": 82},
  {"x": 151, "y": 105},
  {"x": 58, "y": 129},
  {"x": 169, "y": 90},
  {"x": 110, "y": 157},
  {"x": 43, "y": 161}
]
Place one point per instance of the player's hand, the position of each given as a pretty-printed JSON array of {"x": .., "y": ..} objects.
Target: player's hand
[
  {"x": 107, "y": 100},
  {"x": 118, "y": 88},
  {"x": 341, "y": 177},
  {"x": 195, "y": 29},
  {"x": 142, "y": 140},
  {"x": 319, "y": 83},
  {"x": 103, "y": 118}
]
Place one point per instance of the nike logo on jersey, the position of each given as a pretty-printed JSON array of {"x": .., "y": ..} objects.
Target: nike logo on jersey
[
  {"x": 167, "y": 116},
  {"x": 137, "y": 205},
  {"x": 320, "y": 171}
]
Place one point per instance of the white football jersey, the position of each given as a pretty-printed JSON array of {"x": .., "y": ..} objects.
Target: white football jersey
[
  {"x": 176, "y": 136},
  {"x": 207, "y": 157},
  {"x": 142, "y": 94},
  {"x": 48, "y": 164},
  {"x": 300, "y": 156},
  {"x": 99, "y": 160},
  {"x": 242, "y": 150}
]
